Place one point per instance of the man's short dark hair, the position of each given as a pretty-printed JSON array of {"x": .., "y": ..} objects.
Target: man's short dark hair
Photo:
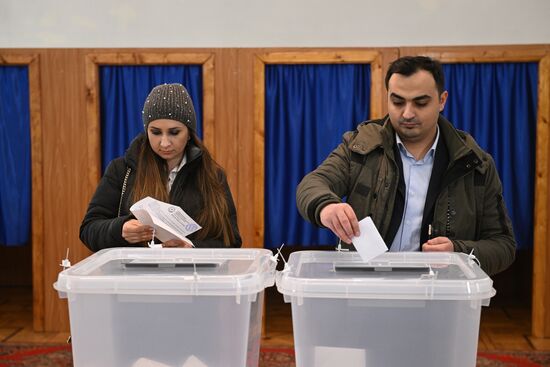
[{"x": 408, "y": 65}]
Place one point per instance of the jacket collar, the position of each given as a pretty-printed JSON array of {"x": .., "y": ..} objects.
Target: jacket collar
[{"x": 375, "y": 134}]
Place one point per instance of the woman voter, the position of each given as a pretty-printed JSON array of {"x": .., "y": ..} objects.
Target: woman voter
[{"x": 167, "y": 162}]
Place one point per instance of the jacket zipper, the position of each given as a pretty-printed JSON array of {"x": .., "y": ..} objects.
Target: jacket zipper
[
  {"x": 448, "y": 214},
  {"x": 123, "y": 189}
]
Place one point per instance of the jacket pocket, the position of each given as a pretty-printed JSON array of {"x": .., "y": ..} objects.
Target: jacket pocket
[
  {"x": 362, "y": 195},
  {"x": 362, "y": 189}
]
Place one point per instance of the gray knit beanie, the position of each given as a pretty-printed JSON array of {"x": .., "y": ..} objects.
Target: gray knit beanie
[{"x": 169, "y": 101}]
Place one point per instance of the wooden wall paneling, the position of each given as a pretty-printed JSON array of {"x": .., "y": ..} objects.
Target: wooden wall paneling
[
  {"x": 245, "y": 201},
  {"x": 540, "y": 326},
  {"x": 474, "y": 54},
  {"x": 541, "y": 258},
  {"x": 387, "y": 55},
  {"x": 208, "y": 110},
  {"x": 224, "y": 129},
  {"x": 32, "y": 60},
  {"x": 259, "y": 151},
  {"x": 308, "y": 56},
  {"x": 93, "y": 125},
  {"x": 37, "y": 194},
  {"x": 65, "y": 171}
]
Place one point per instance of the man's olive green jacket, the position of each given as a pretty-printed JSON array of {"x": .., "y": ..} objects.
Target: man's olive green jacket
[{"x": 464, "y": 200}]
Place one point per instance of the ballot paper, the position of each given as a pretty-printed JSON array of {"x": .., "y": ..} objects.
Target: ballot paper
[
  {"x": 338, "y": 356},
  {"x": 369, "y": 243},
  {"x": 169, "y": 221},
  {"x": 146, "y": 362},
  {"x": 192, "y": 361}
]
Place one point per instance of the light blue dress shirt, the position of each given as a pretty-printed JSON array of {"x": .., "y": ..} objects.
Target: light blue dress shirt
[{"x": 416, "y": 174}]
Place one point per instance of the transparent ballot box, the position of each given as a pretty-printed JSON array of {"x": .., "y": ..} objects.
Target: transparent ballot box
[
  {"x": 400, "y": 309},
  {"x": 143, "y": 307}
]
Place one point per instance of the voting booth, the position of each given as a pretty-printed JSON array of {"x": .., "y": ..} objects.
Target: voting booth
[
  {"x": 400, "y": 309},
  {"x": 167, "y": 307}
]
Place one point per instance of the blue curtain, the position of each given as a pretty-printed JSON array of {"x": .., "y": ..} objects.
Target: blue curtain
[
  {"x": 307, "y": 109},
  {"x": 123, "y": 90},
  {"x": 15, "y": 156},
  {"x": 497, "y": 104}
]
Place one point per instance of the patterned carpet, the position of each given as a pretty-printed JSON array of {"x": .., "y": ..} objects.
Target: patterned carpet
[{"x": 33, "y": 355}]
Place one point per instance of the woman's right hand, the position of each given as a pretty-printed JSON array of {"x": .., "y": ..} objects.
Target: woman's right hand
[{"x": 133, "y": 231}]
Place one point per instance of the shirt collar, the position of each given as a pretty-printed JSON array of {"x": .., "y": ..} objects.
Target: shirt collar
[
  {"x": 174, "y": 172},
  {"x": 430, "y": 153},
  {"x": 179, "y": 166}
]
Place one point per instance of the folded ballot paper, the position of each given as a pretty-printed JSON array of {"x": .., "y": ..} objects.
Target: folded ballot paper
[{"x": 169, "y": 221}]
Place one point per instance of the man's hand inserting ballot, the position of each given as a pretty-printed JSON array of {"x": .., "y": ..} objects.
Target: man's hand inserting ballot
[{"x": 340, "y": 219}]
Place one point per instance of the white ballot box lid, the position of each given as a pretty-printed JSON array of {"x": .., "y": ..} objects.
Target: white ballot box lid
[
  {"x": 393, "y": 275},
  {"x": 170, "y": 271}
]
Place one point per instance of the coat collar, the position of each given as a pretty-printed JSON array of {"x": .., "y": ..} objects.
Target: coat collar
[{"x": 375, "y": 134}]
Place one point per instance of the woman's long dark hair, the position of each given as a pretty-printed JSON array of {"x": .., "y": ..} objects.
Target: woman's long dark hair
[{"x": 214, "y": 216}]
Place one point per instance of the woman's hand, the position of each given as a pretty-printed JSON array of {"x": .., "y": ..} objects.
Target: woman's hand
[
  {"x": 177, "y": 243},
  {"x": 133, "y": 231}
]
